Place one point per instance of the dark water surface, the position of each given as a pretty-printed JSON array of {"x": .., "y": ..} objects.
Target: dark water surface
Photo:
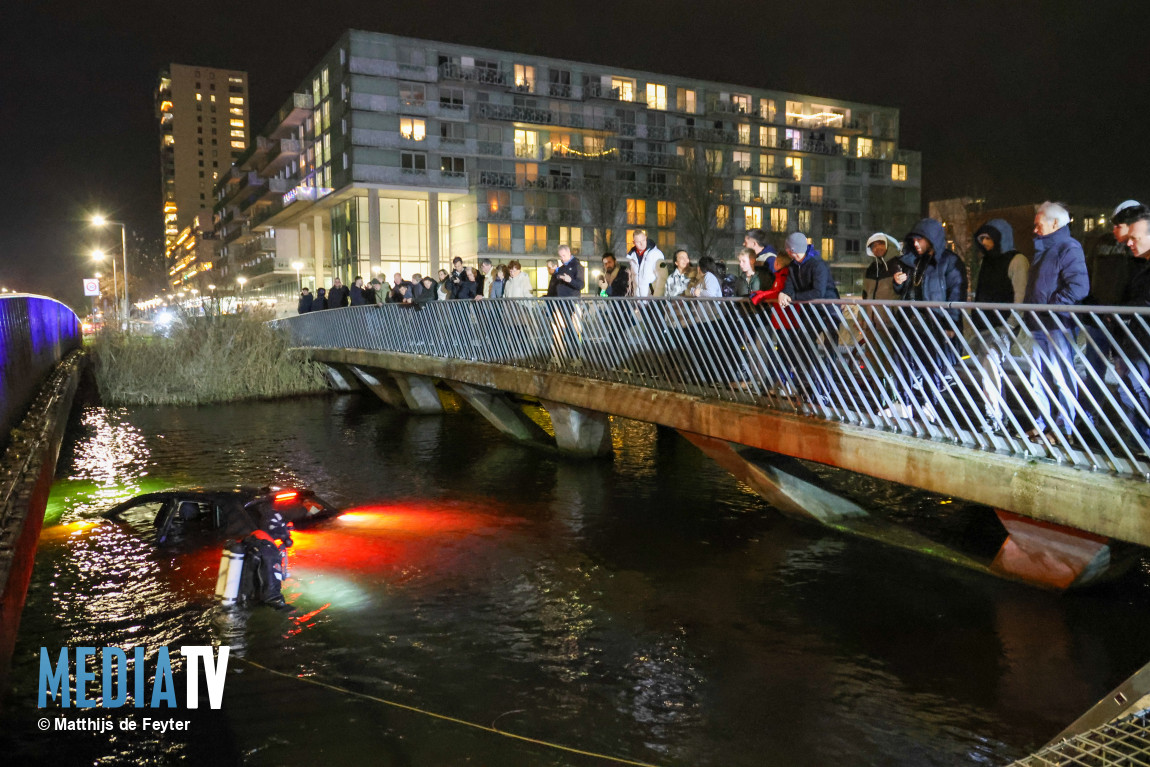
[{"x": 647, "y": 607}]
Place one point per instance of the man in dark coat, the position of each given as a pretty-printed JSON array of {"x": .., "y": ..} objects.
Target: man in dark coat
[
  {"x": 569, "y": 280},
  {"x": 616, "y": 278},
  {"x": 320, "y": 300},
  {"x": 305, "y": 301},
  {"x": 1135, "y": 344},
  {"x": 552, "y": 287},
  {"x": 356, "y": 292},
  {"x": 1001, "y": 280},
  {"x": 1057, "y": 276},
  {"x": 338, "y": 296},
  {"x": 457, "y": 278}
]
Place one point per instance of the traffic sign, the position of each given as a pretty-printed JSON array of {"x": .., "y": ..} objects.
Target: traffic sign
[{"x": 91, "y": 287}]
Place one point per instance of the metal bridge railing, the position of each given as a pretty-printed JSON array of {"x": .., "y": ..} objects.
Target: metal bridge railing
[{"x": 979, "y": 375}]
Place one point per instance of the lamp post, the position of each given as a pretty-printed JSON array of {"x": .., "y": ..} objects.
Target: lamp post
[
  {"x": 297, "y": 265},
  {"x": 241, "y": 281},
  {"x": 99, "y": 220},
  {"x": 98, "y": 255}
]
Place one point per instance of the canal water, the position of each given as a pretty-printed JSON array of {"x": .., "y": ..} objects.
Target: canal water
[{"x": 646, "y": 607}]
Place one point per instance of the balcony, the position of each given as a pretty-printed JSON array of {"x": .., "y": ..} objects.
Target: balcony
[
  {"x": 291, "y": 116},
  {"x": 564, "y": 91},
  {"x": 279, "y": 153},
  {"x": 729, "y": 108},
  {"x": 393, "y": 105},
  {"x": 797, "y": 201},
  {"x": 482, "y": 75},
  {"x": 533, "y": 152},
  {"x": 710, "y": 135},
  {"x": 419, "y": 177},
  {"x": 499, "y": 214},
  {"x": 359, "y": 65},
  {"x": 492, "y": 179},
  {"x": 607, "y": 93}
]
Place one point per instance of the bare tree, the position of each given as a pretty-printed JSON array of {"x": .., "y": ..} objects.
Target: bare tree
[
  {"x": 604, "y": 199},
  {"x": 699, "y": 193}
]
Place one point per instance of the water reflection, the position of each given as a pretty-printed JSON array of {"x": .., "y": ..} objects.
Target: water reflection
[{"x": 646, "y": 606}]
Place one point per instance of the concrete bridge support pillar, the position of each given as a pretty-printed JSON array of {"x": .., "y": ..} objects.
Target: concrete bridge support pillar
[
  {"x": 1046, "y": 554},
  {"x": 419, "y": 393},
  {"x": 792, "y": 492},
  {"x": 503, "y": 414},
  {"x": 580, "y": 431},
  {"x": 382, "y": 384},
  {"x": 341, "y": 378}
]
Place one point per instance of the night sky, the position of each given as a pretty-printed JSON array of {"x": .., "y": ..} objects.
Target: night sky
[{"x": 1014, "y": 100}]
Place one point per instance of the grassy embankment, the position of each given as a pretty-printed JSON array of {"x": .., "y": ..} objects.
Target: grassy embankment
[{"x": 204, "y": 360}]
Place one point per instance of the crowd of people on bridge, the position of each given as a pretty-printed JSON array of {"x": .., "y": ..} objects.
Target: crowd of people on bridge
[{"x": 921, "y": 267}]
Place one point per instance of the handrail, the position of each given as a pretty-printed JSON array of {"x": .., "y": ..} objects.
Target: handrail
[
  {"x": 984, "y": 376},
  {"x": 36, "y": 332}
]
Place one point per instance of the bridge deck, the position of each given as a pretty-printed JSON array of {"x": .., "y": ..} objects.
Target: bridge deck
[
  {"x": 878, "y": 388},
  {"x": 1124, "y": 742}
]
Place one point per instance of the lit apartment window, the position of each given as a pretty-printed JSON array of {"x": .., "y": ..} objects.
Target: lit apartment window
[
  {"x": 844, "y": 144},
  {"x": 794, "y": 139},
  {"x": 828, "y": 249},
  {"x": 769, "y": 190},
  {"x": 766, "y": 164},
  {"x": 526, "y": 143},
  {"x": 794, "y": 109},
  {"x": 534, "y": 238},
  {"x": 816, "y": 194},
  {"x": 237, "y": 145},
  {"x": 237, "y": 123},
  {"x": 498, "y": 201},
  {"x": 237, "y": 134},
  {"x": 525, "y": 77},
  {"x": 625, "y": 87},
  {"x": 656, "y": 96},
  {"x": 636, "y": 212},
  {"x": 572, "y": 237},
  {"x": 768, "y": 109},
  {"x": 236, "y": 100},
  {"x": 742, "y": 188},
  {"x": 768, "y": 137},
  {"x": 778, "y": 219},
  {"x": 499, "y": 237},
  {"x": 236, "y": 111},
  {"x": 413, "y": 128},
  {"x": 666, "y": 213},
  {"x": 213, "y": 98},
  {"x": 685, "y": 100},
  {"x": 865, "y": 147},
  {"x": 236, "y": 80},
  {"x": 199, "y": 97},
  {"x": 741, "y": 161},
  {"x": 741, "y": 103},
  {"x": 804, "y": 220},
  {"x": 526, "y": 172},
  {"x": 722, "y": 216},
  {"x": 324, "y": 82},
  {"x": 898, "y": 172},
  {"x": 744, "y": 134},
  {"x": 753, "y": 217},
  {"x": 796, "y": 166}
]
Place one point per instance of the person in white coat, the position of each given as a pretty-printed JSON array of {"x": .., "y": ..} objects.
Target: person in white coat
[
  {"x": 644, "y": 259},
  {"x": 518, "y": 284}
]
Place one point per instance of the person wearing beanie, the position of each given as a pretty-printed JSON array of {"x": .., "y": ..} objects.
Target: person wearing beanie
[
  {"x": 878, "y": 280},
  {"x": 810, "y": 276}
]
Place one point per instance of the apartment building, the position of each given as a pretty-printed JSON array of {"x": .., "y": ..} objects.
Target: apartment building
[
  {"x": 204, "y": 128},
  {"x": 397, "y": 154}
]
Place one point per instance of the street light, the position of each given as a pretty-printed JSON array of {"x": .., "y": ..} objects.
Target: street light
[
  {"x": 99, "y": 220},
  {"x": 297, "y": 265},
  {"x": 241, "y": 281},
  {"x": 99, "y": 255}
]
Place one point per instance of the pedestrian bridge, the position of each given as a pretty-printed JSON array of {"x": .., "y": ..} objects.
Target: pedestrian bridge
[{"x": 892, "y": 390}]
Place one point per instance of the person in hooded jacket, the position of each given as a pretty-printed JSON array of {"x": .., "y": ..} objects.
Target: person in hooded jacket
[
  {"x": 878, "y": 279},
  {"x": 338, "y": 296},
  {"x": 1001, "y": 280},
  {"x": 809, "y": 279},
  {"x": 1057, "y": 276},
  {"x": 320, "y": 300},
  {"x": 355, "y": 292},
  {"x": 931, "y": 272},
  {"x": 305, "y": 301}
]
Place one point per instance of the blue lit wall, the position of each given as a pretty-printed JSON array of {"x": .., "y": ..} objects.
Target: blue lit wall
[{"x": 35, "y": 334}]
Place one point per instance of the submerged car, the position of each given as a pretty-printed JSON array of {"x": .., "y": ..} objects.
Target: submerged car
[{"x": 225, "y": 512}]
